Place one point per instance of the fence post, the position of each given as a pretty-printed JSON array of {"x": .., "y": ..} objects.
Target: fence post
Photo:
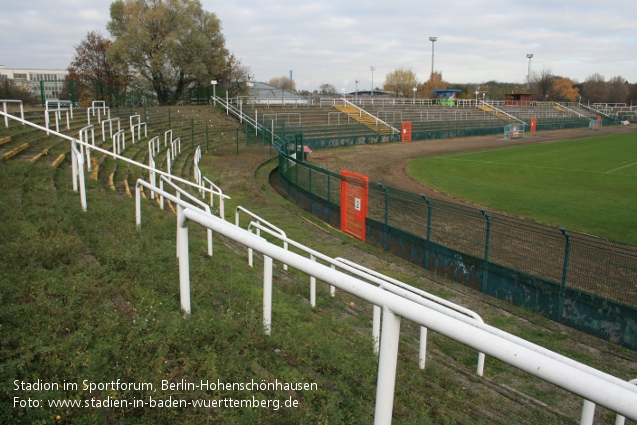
[
  {"x": 267, "y": 295},
  {"x": 567, "y": 254},
  {"x": 329, "y": 201},
  {"x": 386, "y": 215},
  {"x": 429, "y": 209},
  {"x": 184, "y": 264},
  {"x": 42, "y": 93},
  {"x": 310, "y": 200},
  {"x": 485, "y": 267},
  {"x": 387, "y": 363}
]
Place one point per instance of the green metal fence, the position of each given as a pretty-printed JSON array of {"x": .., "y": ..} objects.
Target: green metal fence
[{"x": 586, "y": 282}]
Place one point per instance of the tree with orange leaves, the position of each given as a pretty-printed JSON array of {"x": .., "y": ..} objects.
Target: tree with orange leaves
[{"x": 564, "y": 91}]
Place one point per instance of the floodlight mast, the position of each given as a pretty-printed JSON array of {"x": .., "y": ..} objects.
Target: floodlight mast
[
  {"x": 372, "y": 69},
  {"x": 528, "y": 75},
  {"x": 433, "y": 40}
]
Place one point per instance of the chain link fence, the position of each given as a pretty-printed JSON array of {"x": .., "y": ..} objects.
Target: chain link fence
[{"x": 582, "y": 280}]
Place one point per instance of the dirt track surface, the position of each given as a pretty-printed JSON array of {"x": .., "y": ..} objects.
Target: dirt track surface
[{"x": 385, "y": 163}]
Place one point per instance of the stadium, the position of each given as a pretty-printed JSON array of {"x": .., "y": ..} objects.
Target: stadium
[{"x": 90, "y": 198}]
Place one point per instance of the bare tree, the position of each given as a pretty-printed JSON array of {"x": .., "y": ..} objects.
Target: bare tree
[
  {"x": 235, "y": 77},
  {"x": 283, "y": 83},
  {"x": 595, "y": 89},
  {"x": 543, "y": 84},
  {"x": 327, "y": 89},
  {"x": 617, "y": 89}
]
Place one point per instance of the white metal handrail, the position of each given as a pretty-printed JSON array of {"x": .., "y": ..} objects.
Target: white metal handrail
[
  {"x": 378, "y": 120},
  {"x": 116, "y": 156},
  {"x": 260, "y": 222},
  {"x": 387, "y": 283},
  {"x": 239, "y": 114},
  {"x": 214, "y": 187},
  {"x": 119, "y": 142},
  {"x": 110, "y": 122},
  {"x": 137, "y": 126},
  {"x": 77, "y": 161},
  {"x": 175, "y": 147},
  {"x": 561, "y": 105},
  {"x": 4, "y": 108},
  {"x": 606, "y": 390},
  {"x": 84, "y": 137},
  {"x": 423, "y": 294},
  {"x": 167, "y": 139},
  {"x": 58, "y": 115},
  {"x": 98, "y": 106},
  {"x": 203, "y": 205},
  {"x": 491, "y": 105}
]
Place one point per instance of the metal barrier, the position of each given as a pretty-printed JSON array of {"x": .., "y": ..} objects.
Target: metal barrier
[
  {"x": 201, "y": 204},
  {"x": 119, "y": 142},
  {"x": 84, "y": 137},
  {"x": 4, "y": 108},
  {"x": 58, "y": 115},
  {"x": 100, "y": 107},
  {"x": 110, "y": 122},
  {"x": 260, "y": 222},
  {"x": 592, "y": 385},
  {"x": 422, "y": 294},
  {"x": 137, "y": 126},
  {"x": 79, "y": 164}
]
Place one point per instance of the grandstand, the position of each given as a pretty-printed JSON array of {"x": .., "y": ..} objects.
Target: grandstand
[{"x": 329, "y": 117}]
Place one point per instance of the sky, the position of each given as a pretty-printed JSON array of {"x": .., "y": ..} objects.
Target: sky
[{"x": 338, "y": 41}]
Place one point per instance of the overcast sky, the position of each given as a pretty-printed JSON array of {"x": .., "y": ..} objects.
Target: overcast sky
[{"x": 337, "y": 41}]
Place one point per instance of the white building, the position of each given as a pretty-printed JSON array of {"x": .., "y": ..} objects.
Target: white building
[{"x": 52, "y": 81}]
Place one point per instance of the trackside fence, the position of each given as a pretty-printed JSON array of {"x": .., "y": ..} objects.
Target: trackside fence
[{"x": 580, "y": 280}]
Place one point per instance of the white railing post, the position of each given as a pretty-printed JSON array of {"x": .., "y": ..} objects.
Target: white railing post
[
  {"x": 184, "y": 265},
  {"x": 588, "y": 413},
  {"x": 376, "y": 328},
  {"x": 138, "y": 205},
  {"x": 422, "y": 352},
  {"x": 267, "y": 295},
  {"x": 387, "y": 363},
  {"x": 312, "y": 286}
]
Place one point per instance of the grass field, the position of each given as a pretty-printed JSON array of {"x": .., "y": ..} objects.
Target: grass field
[{"x": 588, "y": 185}]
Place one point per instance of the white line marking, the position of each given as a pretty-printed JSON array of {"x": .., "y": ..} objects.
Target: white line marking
[{"x": 625, "y": 166}]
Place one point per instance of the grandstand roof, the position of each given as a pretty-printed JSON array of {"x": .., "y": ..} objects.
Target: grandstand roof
[{"x": 266, "y": 91}]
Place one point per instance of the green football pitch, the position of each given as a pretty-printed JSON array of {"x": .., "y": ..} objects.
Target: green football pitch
[{"x": 588, "y": 185}]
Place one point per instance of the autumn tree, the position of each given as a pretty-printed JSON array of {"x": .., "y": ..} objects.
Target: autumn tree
[
  {"x": 18, "y": 91},
  {"x": 401, "y": 80},
  {"x": 564, "y": 91},
  {"x": 95, "y": 75},
  {"x": 174, "y": 44},
  {"x": 283, "y": 83},
  {"x": 435, "y": 82}
]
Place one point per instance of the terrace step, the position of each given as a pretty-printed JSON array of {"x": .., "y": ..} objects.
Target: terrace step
[
  {"x": 497, "y": 114},
  {"x": 364, "y": 119}
]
